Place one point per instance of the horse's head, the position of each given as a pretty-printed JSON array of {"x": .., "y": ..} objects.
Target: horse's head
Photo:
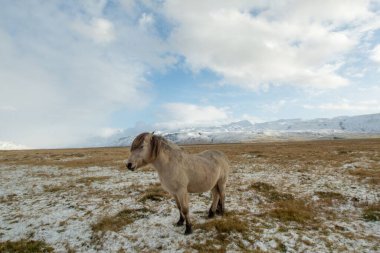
[{"x": 144, "y": 150}]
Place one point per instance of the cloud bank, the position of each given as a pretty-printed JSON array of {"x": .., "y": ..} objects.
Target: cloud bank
[
  {"x": 179, "y": 115},
  {"x": 65, "y": 67},
  {"x": 255, "y": 44}
]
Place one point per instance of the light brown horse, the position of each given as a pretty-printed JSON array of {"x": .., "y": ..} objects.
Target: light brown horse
[{"x": 181, "y": 173}]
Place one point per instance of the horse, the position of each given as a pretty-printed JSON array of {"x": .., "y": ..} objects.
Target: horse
[{"x": 181, "y": 173}]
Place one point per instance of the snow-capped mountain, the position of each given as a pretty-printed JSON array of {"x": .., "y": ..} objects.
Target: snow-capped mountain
[
  {"x": 245, "y": 131},
  {"x": 6, "y": 145},
  {"x": 359, "y": 124}
]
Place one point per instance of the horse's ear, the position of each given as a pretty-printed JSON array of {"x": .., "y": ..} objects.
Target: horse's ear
[
  {"x": 155, "y": 145},
  {"x": 153, "y": 132}
]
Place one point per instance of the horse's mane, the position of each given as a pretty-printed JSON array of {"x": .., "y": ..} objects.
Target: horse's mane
[
  {"x": 166, "y": 144},
  {"x": 138, "y": 141},
  {"x": 163, "y": 143}
]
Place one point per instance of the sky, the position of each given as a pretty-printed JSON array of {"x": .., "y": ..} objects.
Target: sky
[{"x": 71, "y": 70}]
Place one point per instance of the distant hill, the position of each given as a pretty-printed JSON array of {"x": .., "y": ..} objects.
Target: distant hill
[
  {"x": 245, "y": 131},
  {"x": 358, "y": 124}
]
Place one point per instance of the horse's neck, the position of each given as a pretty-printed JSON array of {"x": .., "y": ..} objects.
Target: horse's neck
[{"x": 164, "y": 163}]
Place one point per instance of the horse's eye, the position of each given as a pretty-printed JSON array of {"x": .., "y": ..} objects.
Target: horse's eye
[{"x": 141, "y": 147}]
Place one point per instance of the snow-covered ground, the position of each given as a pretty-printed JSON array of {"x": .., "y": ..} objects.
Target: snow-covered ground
[{"x": 60, "y": 205}]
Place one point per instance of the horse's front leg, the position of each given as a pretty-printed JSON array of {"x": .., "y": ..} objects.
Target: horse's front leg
[
  {"x": 181, "y": 217},
  {"x": 183, "y": 199}
]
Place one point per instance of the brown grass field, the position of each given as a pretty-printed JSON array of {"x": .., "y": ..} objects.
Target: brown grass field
[{"x": 305, "y": 196}]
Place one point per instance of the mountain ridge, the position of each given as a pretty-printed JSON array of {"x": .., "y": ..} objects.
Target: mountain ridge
[{"x": 245, "y": 131}]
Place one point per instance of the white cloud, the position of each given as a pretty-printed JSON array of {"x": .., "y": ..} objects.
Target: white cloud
[
  {"x": 109, "y": 131},
  {"x": 128, "y": 5},
  {"x": 91, "y": 7},
  {"x": 275, "y": 107},
  {"x": 99, "y": 29},
  {"x": 8, "y": 108},
  {"x": 177, "y": 115},
  {"x": 375, "y": 54},
  {"x": 252, "y": 119},
  {"x": 368, "y": 106},
  {"x": 146, "y": 20},
  {"x": 253, "y": 44},
  {"x": 6, "y": 145}
]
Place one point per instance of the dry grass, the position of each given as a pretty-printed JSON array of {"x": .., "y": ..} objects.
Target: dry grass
[
  {"x": 330, "y": 198},
  {"x": 211, "y": 246},
  {"x": 293, "y": 210},
  {"x": 219, "y": 246},
  {"x": 368, "y": 175},
  {"x": 154, "y": 192},
  {"x": 25, "y": 246},
  {"x": 8, "y": 198},
  {"x": 336, "y": 152},
  {"x": 54, "y": 188},
  {"x": 121, "y": 219},
  {"x": 89, "y": 180},
  {"x": 286, "y": 153},
  {"x": 67, "y": 158},
  {"x": 262, "y": 187},
  {"x": 270, "y": 192},
  {"x": 147, "y": 168},
  {"x": 372, "y": 212},
  {"x": 330, "y": 195},
  {"x": 225, "y": 225}
]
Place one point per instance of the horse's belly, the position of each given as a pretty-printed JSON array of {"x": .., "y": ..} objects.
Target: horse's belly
[
  {"x": 203, "y": 184},
  {"x": 197, "y": 189}
]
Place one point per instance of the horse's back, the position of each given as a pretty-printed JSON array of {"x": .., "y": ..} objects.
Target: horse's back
[
  {"x": 216, "y": 154},
  {"x": 217, "y": 157}
]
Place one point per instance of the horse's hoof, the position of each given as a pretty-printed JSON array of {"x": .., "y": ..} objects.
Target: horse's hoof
[
  {"x": 219, "y": 212},
  {"x": 179, "y": 223},
  {"x": 189, "y": 230},
  {"x": 211, "y": 214}
]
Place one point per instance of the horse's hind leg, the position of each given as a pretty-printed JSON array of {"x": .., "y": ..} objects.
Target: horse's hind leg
[
  {"x": 181, "y": 217},
  {"x": 221, "y": 189},
  {"x": 219, "y": 208},
  {"x": 215, "y": 201}
]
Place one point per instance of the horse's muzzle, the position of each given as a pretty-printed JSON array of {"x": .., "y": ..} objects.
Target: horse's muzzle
[{"x": 130, "y": 167}]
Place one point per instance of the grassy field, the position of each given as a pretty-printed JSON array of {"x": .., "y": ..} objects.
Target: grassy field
[{"x": 312, "y": 196}]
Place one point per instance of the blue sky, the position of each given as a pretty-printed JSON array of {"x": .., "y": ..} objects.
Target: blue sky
[{"x": 70, "y": 70}]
